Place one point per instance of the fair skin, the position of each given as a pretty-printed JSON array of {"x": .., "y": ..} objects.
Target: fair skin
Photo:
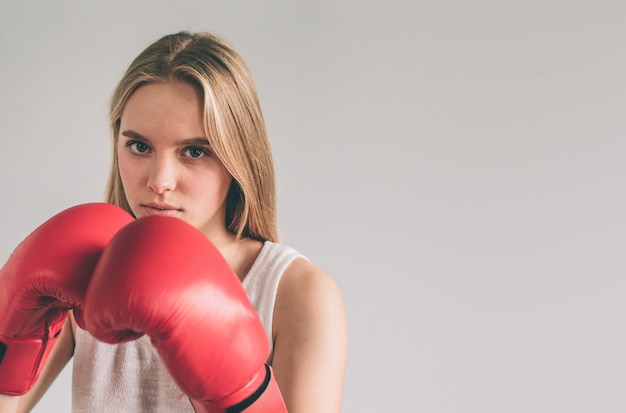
[{"x": 168, "y": 168}]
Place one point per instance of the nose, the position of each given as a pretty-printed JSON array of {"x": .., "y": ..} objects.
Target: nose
[{"x": 162, "y": 176}]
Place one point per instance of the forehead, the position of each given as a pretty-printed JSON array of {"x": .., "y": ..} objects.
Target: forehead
[{"x": 169, "y": 108}]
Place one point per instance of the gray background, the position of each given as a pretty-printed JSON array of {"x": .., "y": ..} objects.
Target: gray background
[{"x": 457, "y": 165}]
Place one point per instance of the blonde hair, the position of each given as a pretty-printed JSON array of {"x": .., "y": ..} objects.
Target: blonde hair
[{"x": 233, "y": 123}]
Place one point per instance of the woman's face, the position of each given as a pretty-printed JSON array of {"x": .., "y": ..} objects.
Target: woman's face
[{"x": 166, "y": 163}]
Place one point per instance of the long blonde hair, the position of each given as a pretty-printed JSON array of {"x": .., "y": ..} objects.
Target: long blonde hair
[{"x": 233, "y": 123}]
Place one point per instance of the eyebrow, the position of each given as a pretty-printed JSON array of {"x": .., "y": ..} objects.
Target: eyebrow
[{"x": 191, "y": 141}]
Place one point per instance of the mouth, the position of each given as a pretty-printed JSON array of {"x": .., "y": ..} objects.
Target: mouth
[{"x": 160, "y": 209}]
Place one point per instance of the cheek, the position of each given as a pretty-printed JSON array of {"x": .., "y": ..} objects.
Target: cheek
[
  {"x": 214, "y": 188},
  {"x": 129, "y": 174},
  {"x": 226, "y": 182},
  {"x": 122, "y": 166}
]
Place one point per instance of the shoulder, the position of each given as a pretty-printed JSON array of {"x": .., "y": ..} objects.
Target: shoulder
[
  {"x": 308, "y": 301},
  {"x": 304, "y": 279}
]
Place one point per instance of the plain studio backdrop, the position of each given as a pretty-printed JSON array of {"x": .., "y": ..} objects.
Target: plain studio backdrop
[{"x": 458, "y": 166}]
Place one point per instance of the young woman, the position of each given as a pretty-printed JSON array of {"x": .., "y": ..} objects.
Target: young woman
[{"x": 190, "y": 142}]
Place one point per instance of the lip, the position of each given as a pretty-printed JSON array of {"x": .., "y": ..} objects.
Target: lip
[{"x": 160, "y": 209}]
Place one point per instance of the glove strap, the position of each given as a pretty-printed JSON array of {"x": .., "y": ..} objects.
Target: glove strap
[
  {"x": 19, "y": 364},
  {"x": 21, "y": 359}
]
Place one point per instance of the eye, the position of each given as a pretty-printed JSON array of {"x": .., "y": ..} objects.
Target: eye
[
  {"x": 196, "y": 152},
  {"x": 137, "y": 146}
]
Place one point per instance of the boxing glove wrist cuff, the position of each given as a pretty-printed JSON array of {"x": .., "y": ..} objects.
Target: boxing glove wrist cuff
[
  {"x": 20, "y": 364},
  {"x": 248, "y": 401},
  {"x": 262, "y": 392}
]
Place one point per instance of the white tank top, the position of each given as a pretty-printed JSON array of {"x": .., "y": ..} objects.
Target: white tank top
[{"x": 129, "y": 377}]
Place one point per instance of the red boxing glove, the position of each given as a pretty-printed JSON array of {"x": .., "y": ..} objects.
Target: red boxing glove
[
  {"x": 44, "y": 277},
  {"x": 162, "y": 277}
]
